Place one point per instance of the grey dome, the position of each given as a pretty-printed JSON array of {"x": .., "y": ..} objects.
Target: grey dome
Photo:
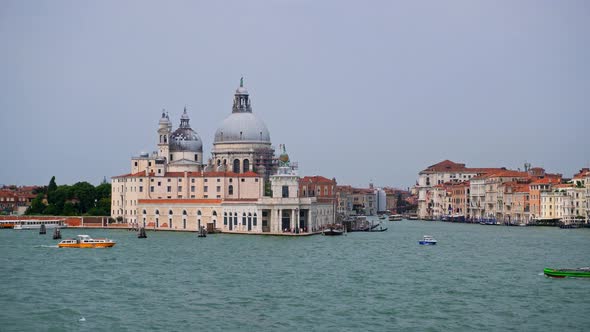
[
  {"x": 242, "y": 127},
  {"x": 185, "y": 140}
]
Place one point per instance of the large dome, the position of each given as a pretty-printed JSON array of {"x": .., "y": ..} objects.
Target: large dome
[{"x": 242, "y": 127}]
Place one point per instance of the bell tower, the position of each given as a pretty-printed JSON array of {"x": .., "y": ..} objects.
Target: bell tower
[{"x": 164, "y": 129}]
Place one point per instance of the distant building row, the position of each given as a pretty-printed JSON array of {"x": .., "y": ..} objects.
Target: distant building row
[
  {"x": 450, "y": 189},
  {"x": 15, "y": 200},
  {"x": 369, "y": 201}
]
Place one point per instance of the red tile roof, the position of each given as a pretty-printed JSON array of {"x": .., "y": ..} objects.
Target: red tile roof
[{"x": 316, "y": 179}]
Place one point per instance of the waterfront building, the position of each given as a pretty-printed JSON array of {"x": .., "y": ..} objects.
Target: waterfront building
[
  {"x": 444, "y": 172},
  {"x": 172, "y": 189},
  {"x": 460, "y": 198},
  {"x": 536, "y": 188},
  {"x": 344, "y": 200},
  {"x": 521, "y": 203}
]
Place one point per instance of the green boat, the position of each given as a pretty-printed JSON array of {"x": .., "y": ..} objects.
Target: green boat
[{"x": 583, "y": 272}]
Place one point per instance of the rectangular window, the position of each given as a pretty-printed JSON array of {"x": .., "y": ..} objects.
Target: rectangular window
[
  {"x": 256, "y": 180},
  {"x": 218, "y": 196},
  {"x": 179, "y": 179},
  {"x": 136, "y": 164},
  {"x": 285, "y": 191},
  {"x": 159, "y": 171},
  {"x": 206, "y": 180},
  {"x": 218, "y": 180},
  {"x": 159, "y": 183},
  {"x": 179, "y": 188},
  {"x": 196, "y": 157},
  {"x": 192, "y": 189},
  {"x": 243, "y": 180},
  {"x": 149, "y": 163},
  {"x": 171, "y": 157},
  {"x": 169, "y": 189},
  {"x": 218, "y": 189},
  {"x": 140, "y": 189},
  {"x": 192, "y": 180},
  {"x": 205, "y": 189},
  {"x": 206, "y": 196},
  {"x": 169, "y": 180},
  {"x": 152, "y": 189}
]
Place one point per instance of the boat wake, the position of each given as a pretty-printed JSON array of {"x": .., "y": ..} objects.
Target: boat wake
[{"x": 46, "y": 246}]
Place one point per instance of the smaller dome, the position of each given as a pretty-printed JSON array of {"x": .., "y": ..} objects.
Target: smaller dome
[
  {"x": 185, "y": 140},
  {"x": 164, "y": 120}
]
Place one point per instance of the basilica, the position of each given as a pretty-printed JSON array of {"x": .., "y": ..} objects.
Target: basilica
[{"x": 241, "y": 188}]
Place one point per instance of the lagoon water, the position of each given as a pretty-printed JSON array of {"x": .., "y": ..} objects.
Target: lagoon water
[{"x": 477, "y": 278}]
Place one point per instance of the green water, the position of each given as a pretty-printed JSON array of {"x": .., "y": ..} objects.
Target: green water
[{"x": 477, "y": 278}]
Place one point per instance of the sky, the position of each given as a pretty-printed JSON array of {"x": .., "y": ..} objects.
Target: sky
[{"x": 362, "y": 91}]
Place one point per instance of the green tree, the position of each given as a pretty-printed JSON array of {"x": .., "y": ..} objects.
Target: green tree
[
  {"x": 37, "y": 205},
  {"x": 86, "y": 195},
  {"x": 52, "y": 186},
  {"x": 69, "y": 209}
]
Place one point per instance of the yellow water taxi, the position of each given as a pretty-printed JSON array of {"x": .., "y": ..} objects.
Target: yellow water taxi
[{"x": 85, "y": 241}]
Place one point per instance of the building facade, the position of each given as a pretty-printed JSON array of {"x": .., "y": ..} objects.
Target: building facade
[{"x": 173, "y": 189}]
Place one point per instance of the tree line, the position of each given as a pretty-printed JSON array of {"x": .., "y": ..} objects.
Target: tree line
[{"x": 79, "y": 199}]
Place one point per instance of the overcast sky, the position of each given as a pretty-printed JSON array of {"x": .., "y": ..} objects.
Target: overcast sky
[{"x": 360, "y": 91}]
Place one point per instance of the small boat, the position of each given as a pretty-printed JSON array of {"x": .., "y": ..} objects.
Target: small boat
[
  {"x": 56, "y": 234},
  {"x": 427, "y": 240},
  {"x": 332, "y": 231},
  {"x": 378, "y": 230},
  {"x": 413, "y": 217},
  {"x": 85, "y": 241},
  {"x": 522, "y": 224},
  {"x": 382, "y": 217},
  {"x": 43, "y": 230},
  {"x": 395, "y": 217},
  {"x": 583, "y": 272}
]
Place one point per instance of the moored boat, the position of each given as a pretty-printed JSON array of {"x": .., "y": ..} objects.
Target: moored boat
[
  {"x": 583, "y": 272},
  {"x": 427, "y": 240},
  {"x": 395, "y": 217},
  {"x": 332, "y": 231},
  {"x": 85, "y": 241}
]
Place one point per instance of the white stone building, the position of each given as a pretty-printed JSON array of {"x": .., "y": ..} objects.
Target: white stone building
[{"x": 172, "y": 189}]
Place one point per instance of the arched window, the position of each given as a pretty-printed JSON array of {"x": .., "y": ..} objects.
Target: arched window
[
  {"x": 246, "y": 165},
  {"x": 170, "y": 212},
  {"x": 254, "y": 220},
  {"x": 184, "y": 212},
  {"x": 218, "y": 162},
  {"x": 235, "y": 218},
  {"x": 144, "y": 212},
  {"x": 225, "y": 218},
  {"x": 157, "y": 212},
  {"x": 244, "y": 219},
  {"x": 215, "y": 213},
  {"x": 236, "y": 168},
  {"x": 230, "y": 190},
  {"x": 198, "y": 212}
]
